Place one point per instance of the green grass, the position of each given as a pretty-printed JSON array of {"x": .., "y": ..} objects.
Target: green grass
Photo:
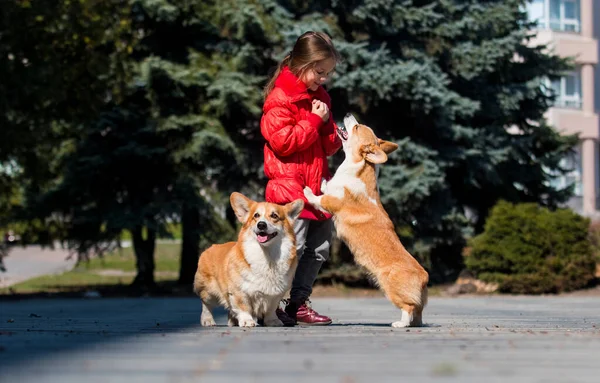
[
  {"x": 166, "y": 257},
  {"x": 174, "y": 230},
  {"x": 66, "y": 282}
]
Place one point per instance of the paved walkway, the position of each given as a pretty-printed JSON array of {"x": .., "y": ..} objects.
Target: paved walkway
[
  {"x": 473, "y": 339},
  {"x": 28, "y": 262}
]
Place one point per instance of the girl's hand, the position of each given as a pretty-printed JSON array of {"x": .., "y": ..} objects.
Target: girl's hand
[{"x": 320, "y": 109}]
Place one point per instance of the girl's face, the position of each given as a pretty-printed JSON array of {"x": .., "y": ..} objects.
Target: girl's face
[{"x": 318, "y": 74}]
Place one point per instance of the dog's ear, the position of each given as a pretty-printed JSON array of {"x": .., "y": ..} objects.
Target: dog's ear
[
  {"x": 294, "y": 208},
  {"x": 387, "y": 146},
  {"x": 373, "y": 154},
  {"x": 241, "y": 205}
]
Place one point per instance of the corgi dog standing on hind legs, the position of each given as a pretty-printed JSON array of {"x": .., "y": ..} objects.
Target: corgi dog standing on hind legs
[
  {"x": 249, "y": 277},
  {"x": 352, "y": 196}
]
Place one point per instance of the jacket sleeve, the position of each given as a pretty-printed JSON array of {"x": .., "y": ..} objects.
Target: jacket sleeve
[
  {"x": 329, "y": 139},
  {"x": 285, "y": 135}
]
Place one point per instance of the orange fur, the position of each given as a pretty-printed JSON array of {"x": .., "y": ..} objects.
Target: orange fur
[
  {"x": 247, "y": 277},
  {"x": 364, "y": 225}
]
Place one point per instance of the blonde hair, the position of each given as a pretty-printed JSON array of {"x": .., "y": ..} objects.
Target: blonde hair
[{"x": 310, "y": 48}]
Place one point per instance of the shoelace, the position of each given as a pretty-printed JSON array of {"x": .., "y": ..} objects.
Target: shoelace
[{"x": 307, "y": 303}]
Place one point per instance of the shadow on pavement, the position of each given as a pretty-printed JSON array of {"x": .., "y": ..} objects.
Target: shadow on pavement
[{"x": 37, "y": 328}]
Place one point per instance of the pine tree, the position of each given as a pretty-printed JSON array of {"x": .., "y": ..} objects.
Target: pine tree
[
  {"x": 56, "y": 72},
  {"x": 184, "y": 102},
  {"x": 203, "y": 69},
  {"x": 446, "y": 80}
]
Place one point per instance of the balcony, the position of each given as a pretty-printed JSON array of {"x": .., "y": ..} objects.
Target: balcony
[
  {"x": 572, "y": 121},
  {"x": 556, "y": 15},
  {"x": 567, "y": 90}
]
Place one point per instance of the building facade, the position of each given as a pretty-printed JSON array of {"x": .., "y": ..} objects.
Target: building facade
[{"x": 572, "y": 29}]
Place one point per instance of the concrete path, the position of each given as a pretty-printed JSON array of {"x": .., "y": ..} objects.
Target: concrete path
[
  {"x": 476, "y": 339},
  {"x": 28, "y": 262}
]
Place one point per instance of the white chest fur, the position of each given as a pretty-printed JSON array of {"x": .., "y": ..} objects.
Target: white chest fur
[
  {"x": 269, "y": 273},
  {"x": 346, "y": 177}
]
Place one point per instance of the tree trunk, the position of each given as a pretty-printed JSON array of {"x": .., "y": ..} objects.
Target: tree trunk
[
  {"x": 190, "y": 246},
  {"x": 144, "y": 255}
]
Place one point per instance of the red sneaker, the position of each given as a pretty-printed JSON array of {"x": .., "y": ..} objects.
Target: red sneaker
[{"x": 305, "y": 315}]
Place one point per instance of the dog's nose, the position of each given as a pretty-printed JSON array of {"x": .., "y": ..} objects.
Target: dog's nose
[
  {"x": 261, "y": 225},
  {"x": 348, "y": 115}
]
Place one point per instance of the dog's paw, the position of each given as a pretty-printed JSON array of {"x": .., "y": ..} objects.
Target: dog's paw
[
  {"x": 323, "y": 186},
  {"x": 308, "y": 192},
  {"x": 400, "y": 324},
  {"x": 273, "y": 322},
  {"x": 247, "y": 323},
  {"x": 208, "y": 322},
  {"x": 310, "y": 196}
]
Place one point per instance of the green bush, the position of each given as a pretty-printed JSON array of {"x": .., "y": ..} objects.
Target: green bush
[
  {"x": 594, "y": 236},
  {"x": 528, "y": 249}
]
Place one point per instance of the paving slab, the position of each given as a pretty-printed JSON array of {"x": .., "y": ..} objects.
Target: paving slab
[{"x": 467, "y": 339}]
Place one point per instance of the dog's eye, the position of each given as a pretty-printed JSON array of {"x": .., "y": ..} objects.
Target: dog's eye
[
  {"x": 274, "y": 216},
  {"x": 256, "y": 215}
]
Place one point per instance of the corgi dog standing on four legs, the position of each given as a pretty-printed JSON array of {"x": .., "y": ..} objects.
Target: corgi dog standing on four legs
[
  {"x": 249, "y": 277},
  {"x": 352, "y": 196}
]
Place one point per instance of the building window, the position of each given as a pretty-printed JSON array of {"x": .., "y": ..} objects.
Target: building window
[
  {"x": 557, "y": 15},
  {"x": 567, "y": 90}
]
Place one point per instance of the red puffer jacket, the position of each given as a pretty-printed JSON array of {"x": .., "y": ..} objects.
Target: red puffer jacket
[{"x": 298, "y": 142}]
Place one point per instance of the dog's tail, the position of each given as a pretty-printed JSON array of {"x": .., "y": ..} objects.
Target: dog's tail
[
  {"x": 195, "y": 287},
  {"x": 199, "y": 283},
  {"x": 424, "y": 296},
  {"x": 417, "y": 295}
]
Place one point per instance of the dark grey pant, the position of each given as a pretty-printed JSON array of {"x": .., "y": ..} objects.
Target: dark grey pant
[{"x": 313, "y": 239}]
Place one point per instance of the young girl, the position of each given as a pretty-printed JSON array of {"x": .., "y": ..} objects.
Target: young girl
[{"x": 300, "y": 134}]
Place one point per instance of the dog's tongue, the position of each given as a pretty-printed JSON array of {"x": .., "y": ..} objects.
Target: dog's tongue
[{"x": 262, "y": 238}]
